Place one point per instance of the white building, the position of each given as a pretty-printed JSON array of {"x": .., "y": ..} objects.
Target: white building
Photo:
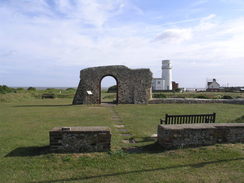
[
  {"x": 158, "y": 84},
  {"x": 213, "y": 85},
  {"x": 164, "y": 83}
]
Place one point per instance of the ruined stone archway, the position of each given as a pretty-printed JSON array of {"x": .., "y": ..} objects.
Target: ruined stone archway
[
  {"x": 134, "y": 85},
  {"x": 100, "y": 87}
]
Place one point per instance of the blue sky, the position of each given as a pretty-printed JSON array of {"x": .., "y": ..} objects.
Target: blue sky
[{"x": 47, "y": 42}]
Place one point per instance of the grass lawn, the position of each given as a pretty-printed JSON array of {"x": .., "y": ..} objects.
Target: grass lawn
[
  {"x": 108, "y": 97},
  {"x": 24, "y": 140}
]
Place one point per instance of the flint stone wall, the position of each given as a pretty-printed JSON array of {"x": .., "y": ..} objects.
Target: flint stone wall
[
  {"x": 194, "y": 101},
  {"x": 134, "y": 85},
  {"x": 80, "y": 139},
  {"x": 193, "y": 135}
]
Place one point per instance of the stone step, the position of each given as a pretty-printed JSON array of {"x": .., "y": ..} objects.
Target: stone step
[
  {"x": 125, "y": 134},
  {"x": 122, "y": 130},
  {"x": 119, "y": 126}
]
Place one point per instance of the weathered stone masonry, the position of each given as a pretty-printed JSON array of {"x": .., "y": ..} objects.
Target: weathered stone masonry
[
  {"x": 193, "y": 135},
  {"x": 80, "y": 139},
  {"x": 134, "y": 85}
]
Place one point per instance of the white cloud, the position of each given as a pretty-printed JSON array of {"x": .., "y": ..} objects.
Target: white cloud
[
  {"x": 175, "y": 35},
  {"x": 67, "y": 40},
  {"x": 91, "y": 11}
]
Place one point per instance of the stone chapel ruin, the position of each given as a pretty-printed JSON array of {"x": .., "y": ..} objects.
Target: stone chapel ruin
[{"x": 133, "y": 85}]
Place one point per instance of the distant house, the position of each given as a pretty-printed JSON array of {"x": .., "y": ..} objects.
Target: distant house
[
  {"x": 213, "y": 86},
  {"x": 175, "y": 86}
]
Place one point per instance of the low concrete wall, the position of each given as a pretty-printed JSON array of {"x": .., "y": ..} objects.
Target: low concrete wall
[
  {"x": 80, "y": 139},
  {"x": 194, "y": 101},
  {"x": 193, "y": 135}
]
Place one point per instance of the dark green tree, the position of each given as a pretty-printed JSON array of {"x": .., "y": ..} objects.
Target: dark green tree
[
  {"x": 5, "y": 89},
  {"x": 31, "y": 89},
  {"x": 112, "y": 89}
]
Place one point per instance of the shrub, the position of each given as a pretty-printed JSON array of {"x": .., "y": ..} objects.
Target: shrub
[
  {"x": 202, "y": 97},
  {"x": 217, "y": 97},
  {"x": 50, "y": 89},
  {"x": 15, "y": 97},
  {"x": 227, "y": 97},
  {"x": 70, "y": 89},
  {"x": 177, "y": 90},
  {"x": 159, "y": 95},
  {"x": 20, "y": 89}
]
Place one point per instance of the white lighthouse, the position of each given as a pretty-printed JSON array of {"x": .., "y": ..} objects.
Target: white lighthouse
[
  {"x": 167, "y": 75},
  {"x": 165, "y": 82}
]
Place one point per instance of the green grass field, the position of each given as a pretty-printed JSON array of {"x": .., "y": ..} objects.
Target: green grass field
[
  {"x": 24, "y": 139},
  {"x": 108, "y": 97}
]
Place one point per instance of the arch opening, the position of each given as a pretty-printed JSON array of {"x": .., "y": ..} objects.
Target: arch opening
[{"x": 108, "y": 89}]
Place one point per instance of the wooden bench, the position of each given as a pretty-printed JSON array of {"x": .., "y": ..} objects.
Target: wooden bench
[
  {"x": 188, "y": 119},
  {"x": 47, "y": 95}
]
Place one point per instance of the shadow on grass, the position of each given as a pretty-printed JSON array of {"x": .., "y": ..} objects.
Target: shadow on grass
[
  {"x": 29, "y": 151},
  {"x": 239, "y": 120},
  {"x": 42, "y": 150},
  {"x": 195, "y": 165},
  {"x": 61, "y": 105},
  {"x": 145, "y": 139},
  {"x": 150, "y": 148}
]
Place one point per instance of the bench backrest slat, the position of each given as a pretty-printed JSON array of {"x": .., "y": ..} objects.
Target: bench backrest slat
[{"x": 187, "y": 119}]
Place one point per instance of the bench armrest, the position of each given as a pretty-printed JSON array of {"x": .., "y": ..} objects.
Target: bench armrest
[{"x": 162, "y": 121}]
